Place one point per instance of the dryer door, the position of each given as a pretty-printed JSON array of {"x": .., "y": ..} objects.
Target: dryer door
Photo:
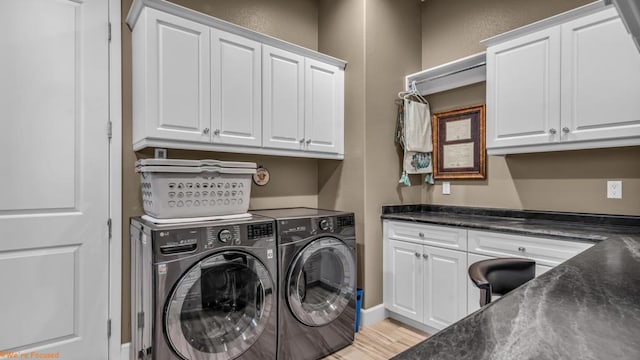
[
  {"x": 219, "y": 307},
  {"x": 321, "y": 281}
]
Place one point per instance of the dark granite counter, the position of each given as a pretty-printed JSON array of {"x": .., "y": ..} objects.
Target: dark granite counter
[{"x": 585, "y": 308}]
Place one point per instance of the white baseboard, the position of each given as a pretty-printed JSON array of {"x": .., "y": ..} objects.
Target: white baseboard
[
  {"x": 405, "y": 320},
  {"x": 372, "y": 315},
  {"x": 125, "y": 351}
]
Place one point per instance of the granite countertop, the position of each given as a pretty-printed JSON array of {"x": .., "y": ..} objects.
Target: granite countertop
[{"x": 585, "y": 308}]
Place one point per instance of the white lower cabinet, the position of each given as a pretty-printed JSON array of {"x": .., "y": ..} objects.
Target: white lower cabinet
[
  {"x": 425, "y": 267},
  {"x": 425, "y": 283}
]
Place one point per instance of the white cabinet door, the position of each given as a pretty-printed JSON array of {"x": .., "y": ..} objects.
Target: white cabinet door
[
  {"x": 236, "y": 91},
  {"x": 445, "y": 286},
  {"x": 523, "y": 90},
  {"x": 324, "y": 107},
  {"x": 600, "y": 79},
  {"x": 282, "y": 99},
  {"x": 403, "y": 279},
  {"x": 175, "y": 77},
  {"x": 54, "y": 193}
]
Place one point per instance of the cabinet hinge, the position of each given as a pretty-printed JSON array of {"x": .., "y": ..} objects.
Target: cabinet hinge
[
  {"x": 109, "y": 328},
  {"x": 109, "y": 32},
  {"x": 109, "y": 226},
  {"x": 109, "y": 130}
]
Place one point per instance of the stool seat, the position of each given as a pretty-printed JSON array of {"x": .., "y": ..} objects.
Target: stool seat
[{"x": 501, "y": 275}]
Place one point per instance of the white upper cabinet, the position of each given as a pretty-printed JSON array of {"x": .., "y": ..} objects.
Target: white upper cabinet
[
  {"x": 236, "y": 101},
  {"x": 283, "y": 99},
  {"x": 324, "y": 107},
  {"x": 201, "y": 83},
  {"x": 174, "y": 80},
  {"x": 568, "y": 82},
  {"x": 601, "y": 78},
  {"x": 523, "y": 90}
]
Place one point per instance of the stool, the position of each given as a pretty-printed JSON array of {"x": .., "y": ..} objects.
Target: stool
[{"x": 501, "y": 275}]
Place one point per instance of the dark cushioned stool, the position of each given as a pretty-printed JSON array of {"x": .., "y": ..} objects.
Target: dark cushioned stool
[{"x": 499, "y": 276}]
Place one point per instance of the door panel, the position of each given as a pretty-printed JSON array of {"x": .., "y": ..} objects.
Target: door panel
[
  {"x": 445, "y": 290},
  {"x": 283, "y": 96},
  {"x": 178, "y": 66},
  {"x": 236, "y": 97},
  {"x": 324, "y": 107},
  {"x": 523, "y": 90},
  {"x": 404, "y": 279},
  {"x": 54, "y": 179},
  {"x": 600, "y": 79}
]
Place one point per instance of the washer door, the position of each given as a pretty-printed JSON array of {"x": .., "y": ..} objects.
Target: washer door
[
  {"x": 219, "y": 307},
  {"x": 321, "y": 281}
]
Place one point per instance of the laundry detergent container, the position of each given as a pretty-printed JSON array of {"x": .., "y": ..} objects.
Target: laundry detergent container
[{"x": 173, "y": 188}]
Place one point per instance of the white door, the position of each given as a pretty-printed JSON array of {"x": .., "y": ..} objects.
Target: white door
[
  {"x": 600, "y": 79},
  {"x": 523, "y": 90},
  {"x": 403, "y": 285},
  {"x": 445, "y": 286},
  {"x": 236, "y": 102},
  {"x": 283, "y": 99},
  {"x": 54, "y": 194},
  {"x": 177, "y": 77},
  {"x": 324, "y": 107}
]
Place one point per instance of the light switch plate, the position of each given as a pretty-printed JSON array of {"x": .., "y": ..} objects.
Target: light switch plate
[
  {"x": 614, "y": 189},
  {"x": 446, "y": 188}
]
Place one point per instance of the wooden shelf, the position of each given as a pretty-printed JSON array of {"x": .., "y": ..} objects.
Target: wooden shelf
[{"x": 454, "y": 74}]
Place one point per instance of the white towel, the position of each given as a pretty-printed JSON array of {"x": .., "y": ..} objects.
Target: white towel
[{"x": 417, "y": 127}]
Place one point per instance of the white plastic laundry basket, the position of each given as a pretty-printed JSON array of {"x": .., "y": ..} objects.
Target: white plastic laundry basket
[{"x": 195, "y": 191}]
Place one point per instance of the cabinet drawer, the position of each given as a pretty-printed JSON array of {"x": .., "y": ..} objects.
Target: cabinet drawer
[
  {"x": 544, "y": 251},
  {"x": 442, "y": 236}
]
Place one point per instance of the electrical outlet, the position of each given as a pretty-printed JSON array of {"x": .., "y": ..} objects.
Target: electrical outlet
[
  {"x": 614, "y": 189},
  {"x": 446, "y": 188}
]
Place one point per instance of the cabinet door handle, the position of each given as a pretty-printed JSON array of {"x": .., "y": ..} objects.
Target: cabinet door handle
[
  {"x": 425, "y": 256},
  {"x": 421, "y": 234},
  {"x": 205, "y": 131},
  {"x": 522, "y": 249},
  {"x": 216, "y": 132},
  {"x": 566, "y": 130},
  {"x": 301, "y": 140},
  {"x": 417, "y": 255},
  {"x": 308, "y": 141},
  {"x": 552, "y": 131}
]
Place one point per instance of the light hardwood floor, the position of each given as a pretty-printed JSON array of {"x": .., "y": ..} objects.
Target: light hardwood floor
[{"x": 380, "y": 341}]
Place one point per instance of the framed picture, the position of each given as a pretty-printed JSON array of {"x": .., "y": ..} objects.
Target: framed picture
[{"x": 459, "y": 148}]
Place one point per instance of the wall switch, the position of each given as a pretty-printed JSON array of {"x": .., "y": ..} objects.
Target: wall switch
[
  {"x": 446, "y": 188},
  {"x": 614, "y": 189}
]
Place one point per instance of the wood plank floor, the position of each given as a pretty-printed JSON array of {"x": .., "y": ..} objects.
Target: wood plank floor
[{"x": 380, "y": 341}]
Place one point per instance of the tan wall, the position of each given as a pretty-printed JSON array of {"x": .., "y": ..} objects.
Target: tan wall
[
  {"x": 392, "y": 51},
  {"x": 294, "y": 181}
]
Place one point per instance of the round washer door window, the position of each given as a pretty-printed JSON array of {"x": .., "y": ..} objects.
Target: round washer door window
[
  {"x": 219, "y": 307},
  {"x": 321, "y": 281}
]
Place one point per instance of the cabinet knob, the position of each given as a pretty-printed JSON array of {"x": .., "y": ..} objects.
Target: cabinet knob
[
  {"x": 216, "y": 132},
  {"x": 301, "y": 140},
  {"x": 205, "y": 131},
  {"x": 522, "y": 249},
  {"x": 552, "y": 131},
  {"x": 417, "y": 255},
  {"x": 565, "y": 130},
  {"x": 421, "y": 234},
  {"x": 426, "y": 256},
  {"x": 308, "y": 141}
]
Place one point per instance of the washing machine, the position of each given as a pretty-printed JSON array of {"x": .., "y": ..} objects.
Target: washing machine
[
  {"x": 316, "y": 279},
  {"x": 204, "y": 290}
]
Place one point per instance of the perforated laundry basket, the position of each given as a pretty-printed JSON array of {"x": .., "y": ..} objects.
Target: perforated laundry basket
[{"x": 194, "y": 191}]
